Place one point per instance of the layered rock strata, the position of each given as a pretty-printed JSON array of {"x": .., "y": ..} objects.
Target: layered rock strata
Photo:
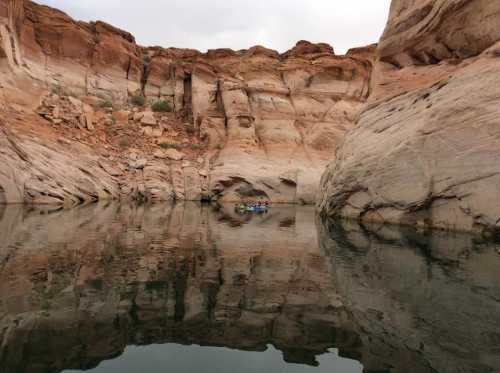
[
  {"x": 426, "y": 148},
  {"x": 268, "y": 123}
]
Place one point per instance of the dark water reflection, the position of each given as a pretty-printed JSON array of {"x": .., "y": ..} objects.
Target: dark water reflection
[{"x": 191, "y": 288}]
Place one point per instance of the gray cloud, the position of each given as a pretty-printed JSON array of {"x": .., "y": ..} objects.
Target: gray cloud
[{"x": 238, "y": 24}]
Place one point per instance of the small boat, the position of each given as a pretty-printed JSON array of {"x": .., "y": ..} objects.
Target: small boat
[{"x": 252, "y": 208}]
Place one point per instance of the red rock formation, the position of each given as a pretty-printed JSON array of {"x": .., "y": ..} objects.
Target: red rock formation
[{"x": 268, "y": 123}]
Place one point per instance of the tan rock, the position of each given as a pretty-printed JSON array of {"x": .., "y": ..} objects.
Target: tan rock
[
  {"x": 148, "y": 119},
  {"x": 138, "y": 164},
  {"x": 121, "y": 116},
  {"x": 56, "y": 112},
  {"x": 160, "y": 154},
  {"x": 423, "y": 152},
  {"x": 157, "y": 132},
  {"x": 174, "y": 155},
  {"x": 138, "y": 116}
]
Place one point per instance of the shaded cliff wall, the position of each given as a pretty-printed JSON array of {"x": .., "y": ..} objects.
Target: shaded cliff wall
[{"x": 425, "y": 149}]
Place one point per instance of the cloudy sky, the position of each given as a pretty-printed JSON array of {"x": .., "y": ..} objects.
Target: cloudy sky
[{"x": 238, "y": 24}]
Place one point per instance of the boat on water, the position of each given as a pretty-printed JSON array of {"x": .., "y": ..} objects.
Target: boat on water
[{"x": 252, "y": 207}]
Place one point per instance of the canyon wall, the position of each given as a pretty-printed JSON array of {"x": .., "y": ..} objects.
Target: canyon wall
[
  {"x": 250, "y": 124},
  {"x": 426, "y": 148}
]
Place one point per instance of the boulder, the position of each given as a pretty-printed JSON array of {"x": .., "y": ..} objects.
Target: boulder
[
  {"x": 174, "y": 155},
  {"x": 138, "y": 164},
  {"x": 148, "y": 119}
]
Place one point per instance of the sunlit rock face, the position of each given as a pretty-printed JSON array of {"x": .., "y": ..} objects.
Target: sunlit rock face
[
  {"x": 421, "y": 303},
  {"x": 268, "y": 123},
  {"x": 425, "y": 149},
  {"x": 78, "y": 286}
]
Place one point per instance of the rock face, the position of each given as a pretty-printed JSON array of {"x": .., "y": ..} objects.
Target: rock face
[
  {"x": 65, "y": 171},
  {"x": 268, "y": 123},
  {"x": 426, "y": 148}
]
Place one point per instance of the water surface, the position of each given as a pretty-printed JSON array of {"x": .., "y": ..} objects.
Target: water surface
[{"x": 196, "y": 288}]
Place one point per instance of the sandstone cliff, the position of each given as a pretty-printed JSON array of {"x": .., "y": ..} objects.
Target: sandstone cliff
[
  {"x": 426, "y": 149},
  {"x": 246, "y": 124}
]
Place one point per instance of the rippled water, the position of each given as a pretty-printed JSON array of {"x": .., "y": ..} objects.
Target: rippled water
[{"x": 192, "y": 288}]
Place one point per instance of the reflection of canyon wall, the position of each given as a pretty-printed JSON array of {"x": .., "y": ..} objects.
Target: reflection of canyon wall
[
  {"x": 77, "y": 286},
  {"x": 270, "y": 122},
  {"x": 426, "y": 148},
  {"x": 420, "y": 303}
]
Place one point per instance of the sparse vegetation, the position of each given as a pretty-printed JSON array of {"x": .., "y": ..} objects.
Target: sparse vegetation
[
  {"x": 138, "y": 100},
  {"x": 197, "y": 146},
  {"x": 102, "y": 96},
  {"x": 146, "y": 59},
  {"x": 219, "y": 146},
  {"x": 190, "y": 130},
  {"x": 169, "y": 145},
  {"x": 124, "y": 143},
  {"x": 105, "y": 104},
  {"x": 60, "y": 91},
  {"x": 161, "y": 106},
  {"x": 97, "y": 39}
]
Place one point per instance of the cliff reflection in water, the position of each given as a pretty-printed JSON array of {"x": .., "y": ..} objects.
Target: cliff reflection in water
[
  {"x": 79, "y": 286},
  {"x": 420, "y": 303}
]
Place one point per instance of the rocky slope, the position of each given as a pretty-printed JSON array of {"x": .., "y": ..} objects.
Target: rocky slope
[
  {"x": 237, "y": 124},
  {"x": 426, "y": 149}
]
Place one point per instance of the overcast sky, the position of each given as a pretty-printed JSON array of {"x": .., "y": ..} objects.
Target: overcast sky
[{"x": 238, "y": 24}]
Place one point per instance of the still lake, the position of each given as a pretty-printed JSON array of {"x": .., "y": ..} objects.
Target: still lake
[{"x": 188, "y": 288}]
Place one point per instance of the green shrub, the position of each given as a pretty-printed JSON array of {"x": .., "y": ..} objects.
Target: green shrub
[
  {"x": 124, "y": 143},
  {"x": 169, "y": 145},
  {"x": 102, "y": 96},
  {"x": 190, "y": 130},
  {"x": 97, "y": 39},
  {"x": 219, "y": 147},
  {"x": 197, "y": 146},
  {"x": 60, "y": 91},
  {"x": 138, "y": 100},
  {"x": 105, "y": 104},
  {"x": 161, "y": 106},
  {"x": 146, "y": 59}
]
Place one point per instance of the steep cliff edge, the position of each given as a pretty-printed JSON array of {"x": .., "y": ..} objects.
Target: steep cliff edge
[
  {"x": 236, "y": 124},
  {"x": 426, "y": 149}
]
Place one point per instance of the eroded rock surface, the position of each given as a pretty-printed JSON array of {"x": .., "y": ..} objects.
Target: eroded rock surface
[
  {"x": 426, "y": 148},
  {"x": 266, "y": 124}
]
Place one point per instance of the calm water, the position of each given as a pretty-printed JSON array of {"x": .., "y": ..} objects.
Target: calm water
[{"x": 191, "y": 288}]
